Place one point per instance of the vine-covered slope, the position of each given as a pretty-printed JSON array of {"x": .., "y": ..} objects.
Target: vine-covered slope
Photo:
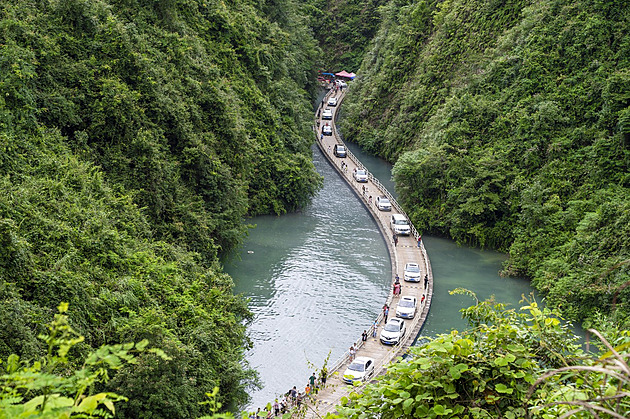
[
  {"x": 135, "y": 136},
  {"x": 510, "y": 126}
]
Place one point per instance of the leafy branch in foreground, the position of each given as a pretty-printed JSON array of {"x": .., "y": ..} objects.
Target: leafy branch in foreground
[
  {"x": 597, "y": 389},
  {"x": 49, "y": 388}
]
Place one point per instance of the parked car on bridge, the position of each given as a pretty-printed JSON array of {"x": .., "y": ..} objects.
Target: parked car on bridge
[
  {"x": 383, "y": 204},
  {"x": 332, "y": 101},
  {"x": 360, "y": 369},
  {"x": 400, "y": 225},
  {"x": 412, "y": 272},
  {"x": 327, "y": 130},
  {"x": 339, "y": 150},
  {"x": 361, "y": 175},
  {"x": 393, "y": 331},
  {"x": 327, "y": 114},
  {"x": 406, "y": 307}
]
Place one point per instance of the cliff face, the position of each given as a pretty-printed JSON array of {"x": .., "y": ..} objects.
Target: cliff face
[{"x": 509, "y": 125}]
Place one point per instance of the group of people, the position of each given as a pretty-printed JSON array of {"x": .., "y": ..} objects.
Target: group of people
[{"x": 294, "y": 398}]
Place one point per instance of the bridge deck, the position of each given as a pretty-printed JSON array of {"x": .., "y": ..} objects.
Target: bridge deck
[{"x": 405, "y": 251}]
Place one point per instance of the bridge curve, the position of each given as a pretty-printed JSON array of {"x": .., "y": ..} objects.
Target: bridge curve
[{"x": 405, "y": 251}]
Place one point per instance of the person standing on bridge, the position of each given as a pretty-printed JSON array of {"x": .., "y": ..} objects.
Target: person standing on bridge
[
  {"x": 419, "y": 241},
  {"x": 374, "y": 329},
  {"x": 426, "y": 281},
  {"x": 364, "y": 336},
  {"x": 385, "y": 312},
  {"x": 395, "y": 237},
  {"x": 323, "y": 375}
]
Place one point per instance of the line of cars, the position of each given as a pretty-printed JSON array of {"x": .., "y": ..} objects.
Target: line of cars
[
  {"x": 362, "y": 368},
  {"x": 394, "y": 330}
]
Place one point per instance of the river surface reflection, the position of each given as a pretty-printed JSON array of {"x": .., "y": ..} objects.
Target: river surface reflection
[{"x": 316, "y": 279}]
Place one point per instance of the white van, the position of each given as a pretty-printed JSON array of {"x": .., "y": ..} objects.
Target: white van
[{"x": 400, "y": 225}]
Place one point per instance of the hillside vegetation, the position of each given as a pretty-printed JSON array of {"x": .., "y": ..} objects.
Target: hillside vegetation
[
  {"x": 509, "y": 123},
  {"x": 135, "y": 136}
]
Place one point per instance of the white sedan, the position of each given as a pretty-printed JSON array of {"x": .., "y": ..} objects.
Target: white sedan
[
  {"x": 361, "y": 175},
  {"x": 327, "y": 114},
  {"x": 412, "y": 272},
  {"x": 393, "y": 331},
  {"x": 406, "y": 307},
  {"x": 383, "y": 204},
  {"x": 332, "y": 101},
  {"x": 360, "y": 370}
]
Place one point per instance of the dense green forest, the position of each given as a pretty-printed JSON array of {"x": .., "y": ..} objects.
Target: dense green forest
[
  {"x": 135, "y": 136},
  {"x": 509, "y": 123}
]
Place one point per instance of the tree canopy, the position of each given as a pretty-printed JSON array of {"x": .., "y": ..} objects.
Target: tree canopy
[
  {"x": 507, "y": 122},
  {"x": 135, "y": 137}
]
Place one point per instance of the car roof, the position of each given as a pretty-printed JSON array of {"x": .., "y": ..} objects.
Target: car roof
[
  {"x": 407, "y": 297},
  {"x": 363, "y": 359},
  {"x": 411, "y": 264},
  {"x": 394, "y": 320}
]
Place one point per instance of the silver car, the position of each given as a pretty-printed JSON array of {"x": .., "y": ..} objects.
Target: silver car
[{"x": 406, "y": 307}]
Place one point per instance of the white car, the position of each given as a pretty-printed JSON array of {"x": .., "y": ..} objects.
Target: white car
[
  {"x": 361, "y": 175},
  {"x": 327, "y": 114},
  {"x": 332, "y": 101},
  {"x": 412, "y": 272},
  {"x": 383, "y": 204},
  {"x": 393, "y": 332},
  {"x": 327, "y": 130},
  {"x": 406, "y": 307},
  {"x": 360, "y": 370},
  {"x": 342, "y": 83},
  {"x": 400, "y": 225}
]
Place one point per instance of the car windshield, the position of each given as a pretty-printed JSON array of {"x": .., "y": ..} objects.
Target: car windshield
[
  {"x": 406, "y": 303},
  {"x": 341, "y": 148},
  {"x": 392, "y": 327},
  {"x": 361, "y": 172},
  {"x": 400, "y": 222},
  {"x": 357, "y": 366},
  {"x": 384, "y": 201},
  {"x": 412, "y": 268}
]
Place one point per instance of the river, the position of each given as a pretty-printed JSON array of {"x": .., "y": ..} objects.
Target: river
[{"x": 317, "y": 278}]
